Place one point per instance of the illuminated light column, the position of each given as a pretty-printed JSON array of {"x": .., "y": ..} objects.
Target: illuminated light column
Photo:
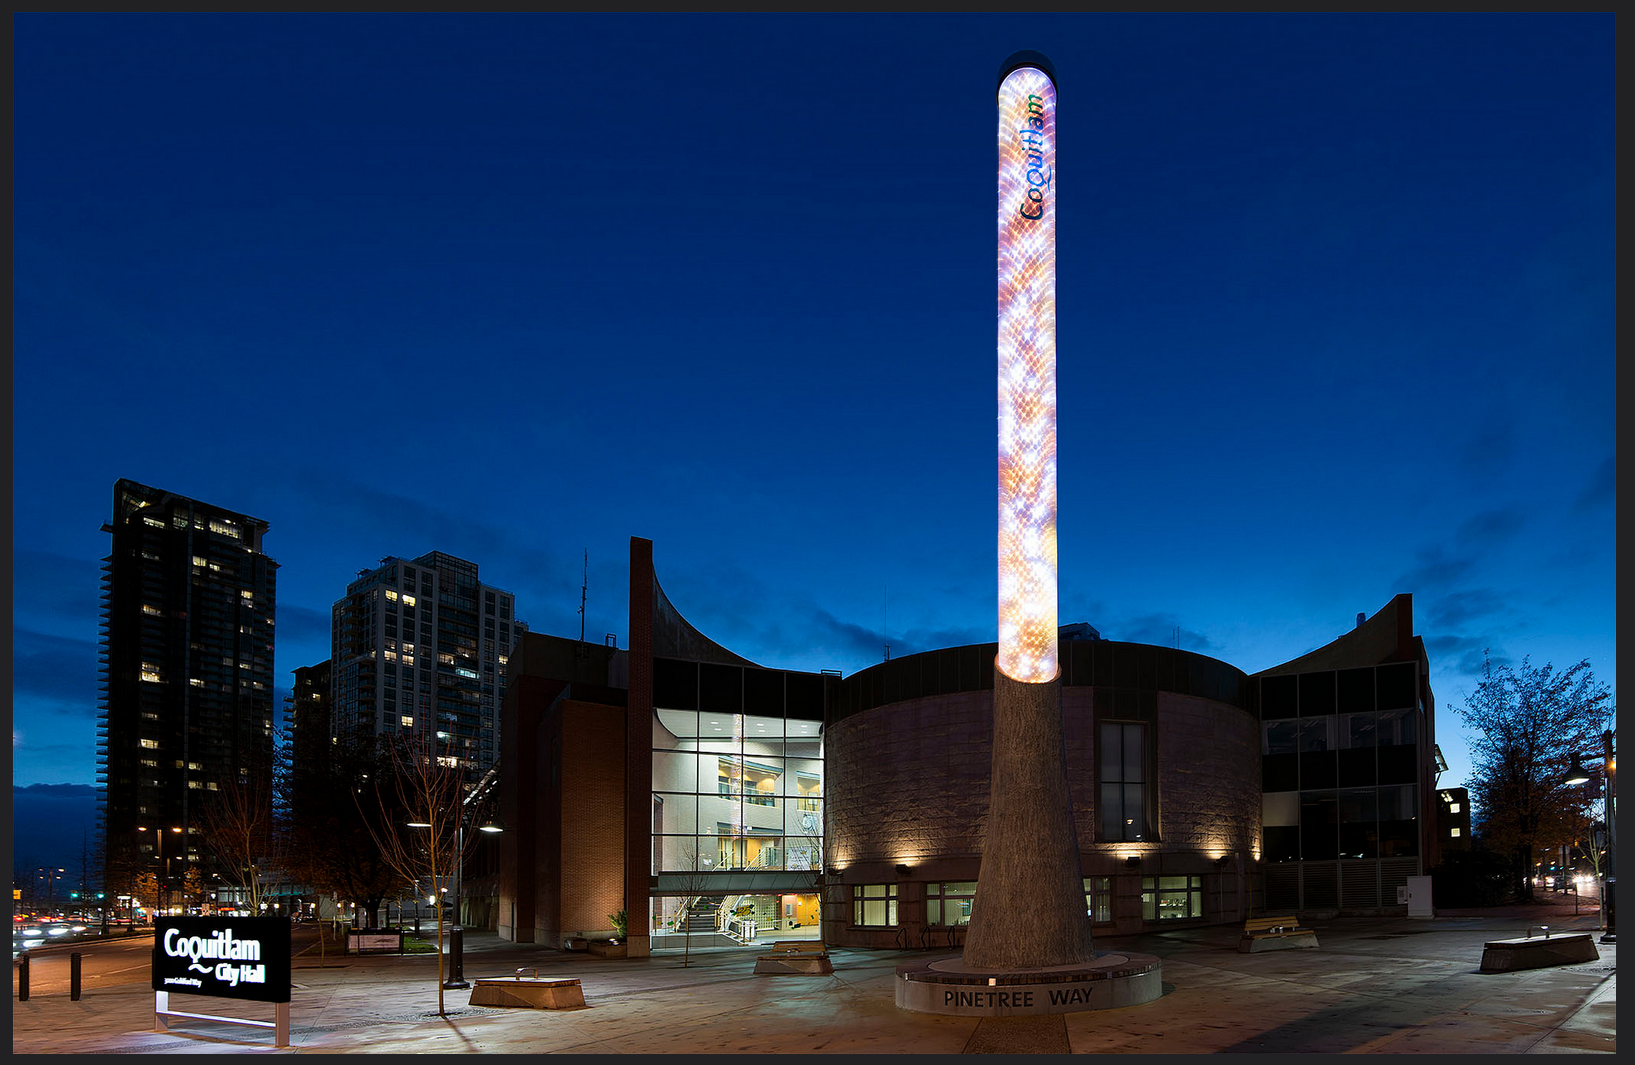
[
  {"x": 1027, "y": 375},
  {"x": 1029, "y": 910}
]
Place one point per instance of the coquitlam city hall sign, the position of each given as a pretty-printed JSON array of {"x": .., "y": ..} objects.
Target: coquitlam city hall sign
[{"x": 246, "y": 958}]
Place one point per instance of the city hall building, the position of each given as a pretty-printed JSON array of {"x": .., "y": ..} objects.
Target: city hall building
[{"x": 714, "y": 800}]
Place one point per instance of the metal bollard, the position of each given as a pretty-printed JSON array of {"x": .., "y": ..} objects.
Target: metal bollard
[
  {"x": 73, "y": 977},
  {"x": 22, "y": 978}
]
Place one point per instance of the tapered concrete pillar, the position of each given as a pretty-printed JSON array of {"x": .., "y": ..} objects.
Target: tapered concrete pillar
[{"x": 1029, "y": 910}]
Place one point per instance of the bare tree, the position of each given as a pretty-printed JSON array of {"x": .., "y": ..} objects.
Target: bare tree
[
  {"x": 238, "y": 824},
  {"x": 420, "y": 805},
  {"x": 329, "y": 838},
  {"x": 694, "y": 878}
]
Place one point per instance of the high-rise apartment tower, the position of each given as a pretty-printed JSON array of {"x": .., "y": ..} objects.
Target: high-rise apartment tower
[
  {"x": 187, "y": 672},
  {"x": 421, "y": 638}
]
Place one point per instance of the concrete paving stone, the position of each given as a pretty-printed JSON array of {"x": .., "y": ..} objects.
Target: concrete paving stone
[{"x": 1374, "y": 986}]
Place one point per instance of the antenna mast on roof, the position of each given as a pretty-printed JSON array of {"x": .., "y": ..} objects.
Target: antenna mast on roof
[
  {"x": 583, "y": 588},
  {"x": 883, "y": 622}
]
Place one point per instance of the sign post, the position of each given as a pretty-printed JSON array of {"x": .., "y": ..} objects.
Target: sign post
[{"x": 243, "y": 958}]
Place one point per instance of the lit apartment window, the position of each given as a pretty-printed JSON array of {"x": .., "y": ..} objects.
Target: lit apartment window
[
  {"x": 150, "y": 672},
  {"x": 152, "y": 745},
  {"x": 408, "y": 600},
  {"x": 155, "y": 522},
  {"x": 1453, "y": 831},
  {"x": 1453, "y": 808},
  {"x": 391, "y": 596},
  {"x": 153, "y": 610},
  {"x": 246, "y": 594}
]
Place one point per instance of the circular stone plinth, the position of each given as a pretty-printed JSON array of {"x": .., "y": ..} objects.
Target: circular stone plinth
[{"x": 948, "y": 985}]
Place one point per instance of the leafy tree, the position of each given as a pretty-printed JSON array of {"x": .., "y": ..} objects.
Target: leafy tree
[
  {"x": 145, "y": 890},
  {"x": 1526, "y": 724}
]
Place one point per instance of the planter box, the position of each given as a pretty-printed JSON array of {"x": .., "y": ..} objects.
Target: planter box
[
  {"x": 603, "y": 948},
  {"x": 374, "y": 941}
]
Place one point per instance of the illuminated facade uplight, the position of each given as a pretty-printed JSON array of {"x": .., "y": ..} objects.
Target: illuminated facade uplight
[{"x": 1027, "y": 376}]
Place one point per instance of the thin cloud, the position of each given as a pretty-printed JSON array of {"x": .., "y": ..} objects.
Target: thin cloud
[
  {"x": 56, "y": 670},
  {"x": 45, "y": 584},
  {"x": 1165, "y": 630},
  {"x": 1435, "y": 570},
  {"x": 1452, "y": 610},
  {"x": 1469, "y": 655},
  {"x": 1490, "y": 528}
]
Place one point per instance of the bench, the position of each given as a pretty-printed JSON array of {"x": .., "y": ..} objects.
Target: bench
[
  {"x": 528, "y": 993},
  {"x": 808, "y": 957},
  {"x": 1275, "y": 933},
  {"x": 1537, "y": 952}
]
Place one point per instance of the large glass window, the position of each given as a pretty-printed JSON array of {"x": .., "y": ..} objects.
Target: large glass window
[
  {"x": 732, "y": 790},
  {"x": 1399, "y": 821},
  {"x": 1319, "y": 825},
  {"x": 1359, "y": 830},
  {"x": 1123, "y": 781},
  {"x": 875, "y": 904},
  {"x": 949, "y": 904},
  {"x": 1166, "y": 898}
]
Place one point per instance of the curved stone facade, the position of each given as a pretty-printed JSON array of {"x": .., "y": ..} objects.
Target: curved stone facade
[{"x": 908, "y": 786}]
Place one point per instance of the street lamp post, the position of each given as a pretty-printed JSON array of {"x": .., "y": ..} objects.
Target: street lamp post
[
  {"x": 1609, "y": 796},
  {"x": 468, "y": 808},
  {"x": 164, "y": 867}
]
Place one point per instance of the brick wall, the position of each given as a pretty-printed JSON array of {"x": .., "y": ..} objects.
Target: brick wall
[{"x": 593, "y": 820}]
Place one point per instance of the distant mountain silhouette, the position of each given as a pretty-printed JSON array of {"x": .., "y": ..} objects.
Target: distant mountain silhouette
[{"x": 51, "y": 825}]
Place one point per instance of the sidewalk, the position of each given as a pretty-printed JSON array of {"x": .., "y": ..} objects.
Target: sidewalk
[{"x": 1375, "y": 985}]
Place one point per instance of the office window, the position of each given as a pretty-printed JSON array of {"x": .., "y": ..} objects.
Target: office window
[
  {"x": 1166, "y": 898},
  {"x": 1123, "y": 776},
  {"x": 874, "y": 905},
  {"x": 948, "y": 905}
]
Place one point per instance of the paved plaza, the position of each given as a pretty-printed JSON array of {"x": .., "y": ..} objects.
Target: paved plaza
[{"x": 1374, "y": 985}]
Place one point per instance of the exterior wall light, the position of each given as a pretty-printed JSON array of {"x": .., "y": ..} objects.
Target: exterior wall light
[{"x": 1134, "y": 859}]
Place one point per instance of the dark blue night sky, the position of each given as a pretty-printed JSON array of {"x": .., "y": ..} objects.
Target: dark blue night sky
[{"x": 1336, "y": 322}]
